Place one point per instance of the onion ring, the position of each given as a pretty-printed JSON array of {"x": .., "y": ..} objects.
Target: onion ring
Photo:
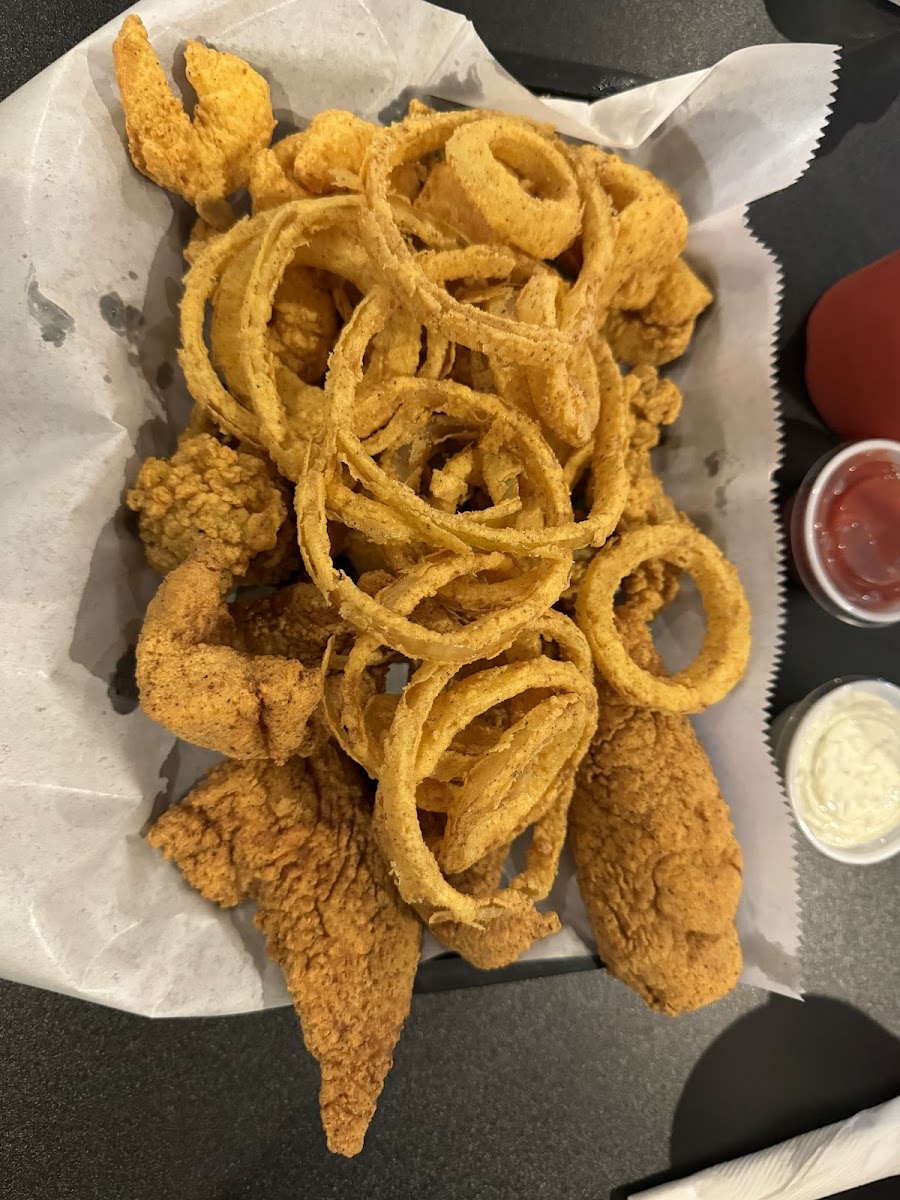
[
  {"x": 431, "y": 303},
  {"x": 431, "y": 711},
  {"x": 726, "y": 647},
  {"x": 487, "y": 156}
]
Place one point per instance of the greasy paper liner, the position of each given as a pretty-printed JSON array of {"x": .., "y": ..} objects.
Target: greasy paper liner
[{"x": 89, "y": 299}]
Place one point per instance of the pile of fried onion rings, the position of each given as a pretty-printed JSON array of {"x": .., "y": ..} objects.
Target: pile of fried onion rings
[{"x": 472, "y": 470}]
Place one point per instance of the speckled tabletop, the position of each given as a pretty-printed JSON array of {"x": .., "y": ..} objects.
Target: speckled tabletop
[{"x": 553, "y": 1087}]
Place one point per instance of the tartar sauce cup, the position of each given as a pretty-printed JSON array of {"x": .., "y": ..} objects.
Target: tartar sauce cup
[
  {"x": 844, "y": 532},
  {"x": 838, "y": 752}
]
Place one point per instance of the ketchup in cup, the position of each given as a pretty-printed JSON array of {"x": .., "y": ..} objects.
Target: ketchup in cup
[
  {"x": 845, "y": 532},
  {"x": 853, "y": 352}
]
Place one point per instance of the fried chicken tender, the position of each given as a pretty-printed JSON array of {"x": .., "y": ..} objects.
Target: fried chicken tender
[
  {"x": 657, "y": 861},
  {"x": 207, "y": 490},
  {"x": 501, "y": 940},
  {"x": 297, "y": 839},
  {"x": 205, "y": 157},
  {"x": 662, "y": 329},
  {"x": 245, "y": 704}
]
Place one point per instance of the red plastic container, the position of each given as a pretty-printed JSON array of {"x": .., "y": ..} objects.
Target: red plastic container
[
  {"x": 853, "y": 352},
  {"x": 844, "y": 526}
]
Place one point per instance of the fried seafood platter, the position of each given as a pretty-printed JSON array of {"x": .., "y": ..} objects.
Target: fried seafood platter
[{"x": 413, "y": 544}]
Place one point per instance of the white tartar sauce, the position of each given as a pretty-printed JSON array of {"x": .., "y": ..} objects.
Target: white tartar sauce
[{"x": 847, "y": 769}]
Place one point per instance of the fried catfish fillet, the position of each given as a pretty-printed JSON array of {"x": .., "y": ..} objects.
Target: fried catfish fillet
[
  {"x": 297, "y": 839},
  {"x": 657, "y": 861}
]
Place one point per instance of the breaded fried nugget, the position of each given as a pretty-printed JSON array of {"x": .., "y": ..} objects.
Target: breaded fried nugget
[
  {"x": 657, "y": 861},
  {"x": 330, "y": 151},
  {"x": 272, "y": 181},
  {"x": 329, "y": 155},
  {"x": 662, "y": 329},
  {"x": 297, "y": 839},
  {"x": 654, "y": 402},
  {"x": 652, "y": 228},
  {"x": 205, "y": 157},
  {"x": 304, "y": 325},
  {"x": 243, "y": 704},
  {"x": 206, "y": 490}
]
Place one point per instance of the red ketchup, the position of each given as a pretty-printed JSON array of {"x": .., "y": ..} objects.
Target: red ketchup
[
  {"x": 853, "y": 352},
  {"x": 845, "y": 532}
]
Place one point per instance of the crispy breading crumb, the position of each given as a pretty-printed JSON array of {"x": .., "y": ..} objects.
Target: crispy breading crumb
[{"x": 206, "y": 490}]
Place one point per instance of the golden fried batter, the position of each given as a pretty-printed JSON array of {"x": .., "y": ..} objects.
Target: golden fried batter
[
  {"x": 295, "y": 622},
  {"x": 442, "y": 197},
  {"x": 272, "y": 179},
  {"x": 305, "y": 324},
  {"x": 331, "y": 149},
  {"x": 205, "y": 157},
  {"x": 662, "y": 329},
  {"x": 632, "y": 340},
  {"x": 654, "y": 402},
  {"x": 657, "y": 861},
  {"x": 501, "y": 940},
  {"x": 207, "y": 490},
  {"x": 201, "y": 237},
  {"x": 297, "y": 839},
  {"x": 243, "y": 704},
  {"x": 652, "y": 228}
]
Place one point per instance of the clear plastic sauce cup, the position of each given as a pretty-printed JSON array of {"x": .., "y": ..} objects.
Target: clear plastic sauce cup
[{"x": 844, "y": 532}]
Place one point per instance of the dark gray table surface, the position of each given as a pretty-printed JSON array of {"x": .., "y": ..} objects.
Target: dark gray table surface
[{"x": 554, "y": 1087}]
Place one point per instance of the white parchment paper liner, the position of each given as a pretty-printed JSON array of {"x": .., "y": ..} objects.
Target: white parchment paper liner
[{"x": 88, "y": 299}]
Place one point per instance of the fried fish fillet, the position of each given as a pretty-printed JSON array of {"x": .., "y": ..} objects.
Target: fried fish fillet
[
  {"x": 244, "y": 704},
  {"x": 297, "y": 839},
  {"x": 657, "y": 861}
]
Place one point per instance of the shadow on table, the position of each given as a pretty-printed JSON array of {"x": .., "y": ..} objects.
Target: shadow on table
[
  {"x": 780, "y": 1071},
  {"x": 869, "y": 34}
]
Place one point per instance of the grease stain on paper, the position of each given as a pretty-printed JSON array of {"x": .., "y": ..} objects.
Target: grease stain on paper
[
  {"x": 123, "y": 319},
  {"x": 54, "y": 322}
]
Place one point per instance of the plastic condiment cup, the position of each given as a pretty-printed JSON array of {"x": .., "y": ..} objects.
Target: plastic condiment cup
[
  {"x": 787, "y": 732},
  {"x": 806, "y": 550}
]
